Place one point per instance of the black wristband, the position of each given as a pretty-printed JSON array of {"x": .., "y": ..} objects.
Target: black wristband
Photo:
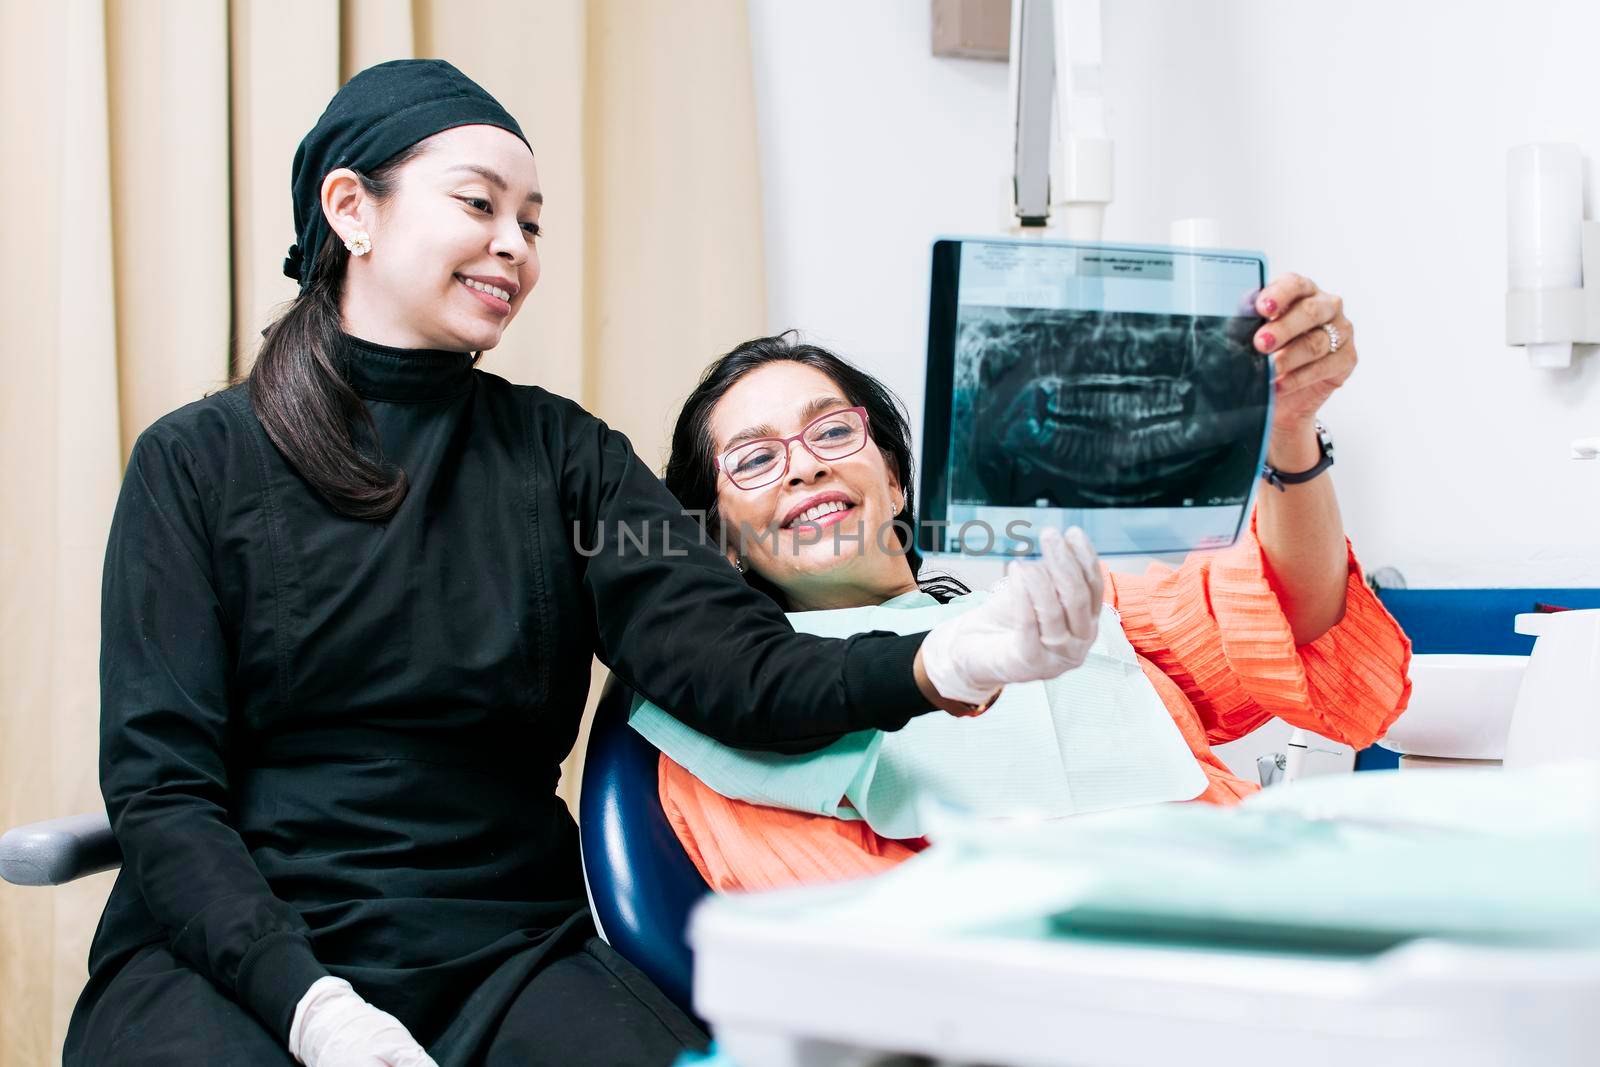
[{"x": 1282, "y": 480}]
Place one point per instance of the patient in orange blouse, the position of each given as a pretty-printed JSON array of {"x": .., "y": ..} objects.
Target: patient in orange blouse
[{"x": 1279, "y": 624}]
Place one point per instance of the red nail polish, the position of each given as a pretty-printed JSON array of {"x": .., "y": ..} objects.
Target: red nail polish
[
  {"x": 1267, "y": 342},
  {"x": 1269, "y": 306}
]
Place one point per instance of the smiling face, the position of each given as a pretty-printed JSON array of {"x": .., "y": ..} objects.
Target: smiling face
[
  {"x": 453, "y": 254},
  {"x": 821, "y": 533}
]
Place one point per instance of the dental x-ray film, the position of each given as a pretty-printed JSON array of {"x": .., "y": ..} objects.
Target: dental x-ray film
[{"x": 1110, "y": 387}]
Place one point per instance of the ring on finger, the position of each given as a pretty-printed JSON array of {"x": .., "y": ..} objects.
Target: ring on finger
[{"x": 1335, "y": 338}]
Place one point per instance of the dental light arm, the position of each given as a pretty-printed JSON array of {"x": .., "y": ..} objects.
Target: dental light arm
[
  {"x": 1058, "y": 116},
  {"x": 1033, "y": 86}
]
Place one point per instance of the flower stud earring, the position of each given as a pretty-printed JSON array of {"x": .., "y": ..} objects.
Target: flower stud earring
[{"x": 360, "y": 244}]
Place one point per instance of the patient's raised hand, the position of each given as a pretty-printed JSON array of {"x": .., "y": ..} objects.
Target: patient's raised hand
[{"x": 1038, "y": 624}]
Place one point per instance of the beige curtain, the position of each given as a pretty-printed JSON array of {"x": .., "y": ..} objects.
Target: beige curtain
[{"x": 144, "y": 213}]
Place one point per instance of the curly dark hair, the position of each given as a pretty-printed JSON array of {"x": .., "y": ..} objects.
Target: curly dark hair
[{"x": 691, "y": 469}]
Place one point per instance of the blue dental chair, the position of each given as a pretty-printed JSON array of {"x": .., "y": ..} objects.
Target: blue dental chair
[{"x": 641, "y": 883}]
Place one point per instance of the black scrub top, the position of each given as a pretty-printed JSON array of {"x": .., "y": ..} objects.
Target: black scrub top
[{"x": 331, "y": 745}]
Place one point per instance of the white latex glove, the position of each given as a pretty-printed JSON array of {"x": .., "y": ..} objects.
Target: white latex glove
[
  {"x": 334, "y": 1027},
  {"x": 1039, "y": 624}
]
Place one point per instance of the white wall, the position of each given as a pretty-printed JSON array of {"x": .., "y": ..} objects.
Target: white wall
[{"x": 1359, "y": 142}]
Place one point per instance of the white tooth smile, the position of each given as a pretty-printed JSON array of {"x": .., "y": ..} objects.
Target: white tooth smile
[
  {"x": 812, "y": 514},
  {"x": 492, "y": 290}
]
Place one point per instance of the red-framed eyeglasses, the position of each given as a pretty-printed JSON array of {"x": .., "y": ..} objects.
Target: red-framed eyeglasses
[{"x": 757, "y": 464}]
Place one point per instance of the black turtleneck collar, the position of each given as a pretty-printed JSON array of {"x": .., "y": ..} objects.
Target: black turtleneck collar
[{"x": 407, "y": 375}]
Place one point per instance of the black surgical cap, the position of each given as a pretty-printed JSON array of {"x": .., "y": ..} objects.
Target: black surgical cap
[{"x": 379, "y": 113}]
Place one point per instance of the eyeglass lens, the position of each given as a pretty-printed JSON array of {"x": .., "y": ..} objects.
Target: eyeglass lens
[{"x": 832, "y": 436}]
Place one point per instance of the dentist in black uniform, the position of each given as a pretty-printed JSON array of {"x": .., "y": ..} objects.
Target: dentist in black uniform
[{"x": 346, "y": 637}]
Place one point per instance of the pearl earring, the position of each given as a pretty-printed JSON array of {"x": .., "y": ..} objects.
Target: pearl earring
[{"x": 360, "y": 244}]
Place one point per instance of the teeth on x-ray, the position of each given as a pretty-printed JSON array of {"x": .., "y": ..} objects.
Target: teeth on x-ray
[{"x": 1098, "y": 409}]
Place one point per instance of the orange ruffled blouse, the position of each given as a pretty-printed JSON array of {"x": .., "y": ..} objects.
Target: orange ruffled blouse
[{"x": 1211, "y": 637}]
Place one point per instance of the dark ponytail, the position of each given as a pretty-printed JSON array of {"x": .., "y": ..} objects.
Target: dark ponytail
[{"x": 308, "y": 409}]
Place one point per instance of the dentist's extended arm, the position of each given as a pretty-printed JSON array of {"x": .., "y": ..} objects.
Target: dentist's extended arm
[
  {"x": 679, "y": 625},
  {"x": 1301, "y": 533}
]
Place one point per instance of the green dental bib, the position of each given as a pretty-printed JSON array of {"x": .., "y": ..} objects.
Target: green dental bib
[{"x": 1095, "y": 738}]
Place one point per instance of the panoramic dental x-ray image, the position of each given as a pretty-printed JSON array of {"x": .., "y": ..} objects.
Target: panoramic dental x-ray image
[
  {"x": 1071, "y": 408},
  {"x": 1110, "y": 387}
]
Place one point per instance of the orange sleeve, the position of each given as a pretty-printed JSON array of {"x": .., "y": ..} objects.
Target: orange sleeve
[{"x": 1215, "y": 627}]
